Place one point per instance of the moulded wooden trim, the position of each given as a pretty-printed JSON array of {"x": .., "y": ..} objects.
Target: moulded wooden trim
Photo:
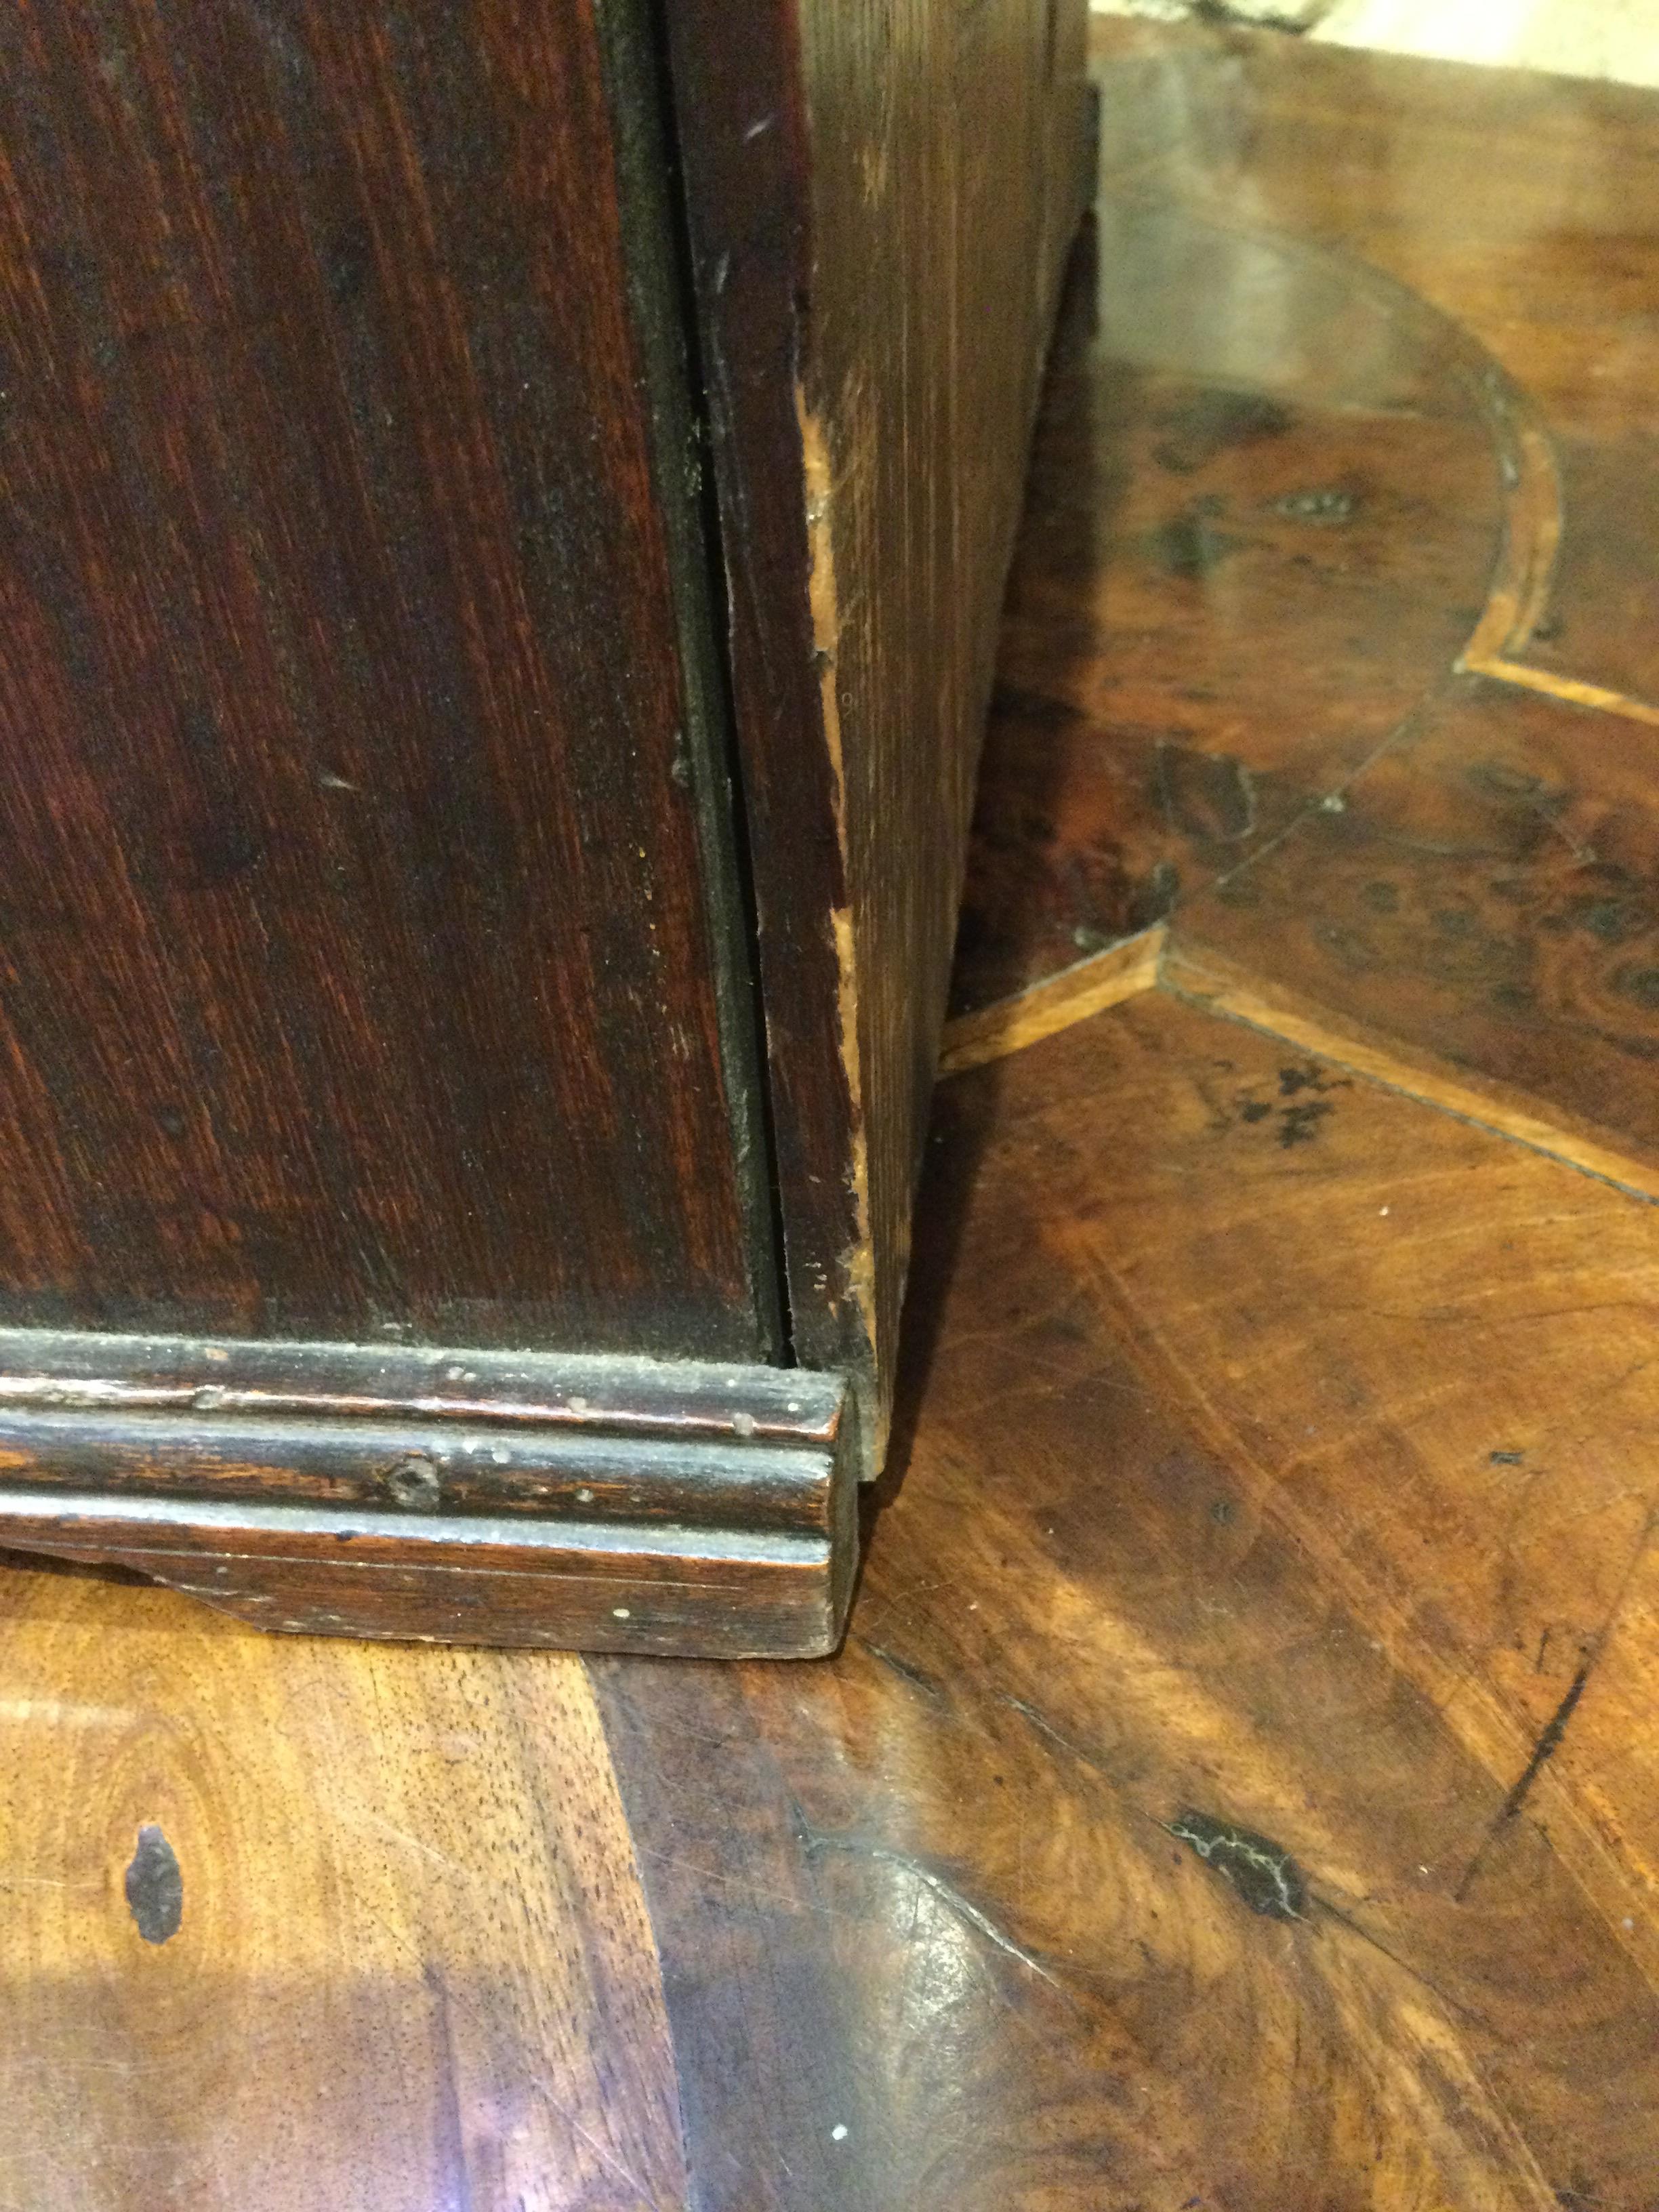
[{"x": 452, "y": 1496}]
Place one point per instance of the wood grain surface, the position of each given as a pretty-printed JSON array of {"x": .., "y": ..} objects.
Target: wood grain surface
[
  {"x": 1246, "y": 556},
  {"x": 1326, "y": 640},
  {"x": 359, "y": 973},
  {"x": 409, "y": 1964},
  {"x": 1234, "y": 1789},
  {"x": 1237, "y": 1788},
  {"x": 1279, "y": 1477},
  {"x": 881, "y": 200}
]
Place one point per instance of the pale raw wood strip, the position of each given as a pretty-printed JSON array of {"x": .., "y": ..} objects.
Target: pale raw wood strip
[
  {"x": 1218, "y": 988},
  {"x": 1106, "y": 979},
  {"x": 1532, "y": 533},
  {"x": 1563, "y": 687},
  {"x": 1532, "y": 522}
]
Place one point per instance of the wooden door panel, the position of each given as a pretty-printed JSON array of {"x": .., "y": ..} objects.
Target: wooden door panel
[{"x": 355, "y": 962}]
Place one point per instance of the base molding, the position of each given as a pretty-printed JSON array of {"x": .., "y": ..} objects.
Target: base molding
[{"x": 565, "y": 1501}]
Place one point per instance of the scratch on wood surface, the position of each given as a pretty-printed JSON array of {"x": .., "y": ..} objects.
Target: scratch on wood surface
[
  {"x": 947, "y": 1892},
  {"x": 858, "y": 1261},
  {"x": 1548, "y": 1744},
  {"x": 917, "y": 1681},
  {"x": 1549, "y": 1741}
]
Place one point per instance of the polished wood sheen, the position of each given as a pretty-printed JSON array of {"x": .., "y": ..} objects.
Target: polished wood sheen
[
  {"x": 1234, "y": 1789},
  {"x": 1280, "y": 1476},
  {"x": 1330, "y": 652},
  {"x": 1237, "y": 1787},
  {"x": 408, "y": 1962}
]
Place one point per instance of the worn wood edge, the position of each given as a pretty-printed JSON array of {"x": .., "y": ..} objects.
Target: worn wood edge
[
  {"x": 661, "y": 303},
  {"x": 1042, "y": 1010},
  {"x": 1534, "y": 519},
  {"x": 687, "y": 1530},
  {"x": 1217, "y": 987},
  {"x": 669, "y": 1592},
  {"x": 576, "y": 1392},
  {"x": 519, "y": 1474},
  {"x": 1568, "y": 688},
  {"x": 745, "y": 200}
]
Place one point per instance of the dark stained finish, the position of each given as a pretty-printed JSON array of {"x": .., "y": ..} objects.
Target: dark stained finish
[
  {"x": 1279, "y": 1481},
  {"x": 387, "y": 877},
  {"x": 612, "y": 1504},
  {"x": 881, "y": 201},
  {"x": 358, "y": 967}
]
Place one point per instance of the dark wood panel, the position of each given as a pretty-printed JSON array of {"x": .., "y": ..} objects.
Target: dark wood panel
[
  {"x": 358, "y": 971},
  {"x": 881, "y": 201}
]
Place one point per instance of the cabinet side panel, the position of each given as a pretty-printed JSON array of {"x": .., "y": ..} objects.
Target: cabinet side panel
[
  {"x": 743, "y": 153},
  {"x": 355, "y": 971},
  {"x": 948, "y": 180},
  {"x": 873, "y": 350}
]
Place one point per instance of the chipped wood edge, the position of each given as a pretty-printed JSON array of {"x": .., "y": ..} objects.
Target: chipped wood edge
[
  {"x": 1567, "y": 689},
  {"x": 1216, "y": 987},
  {"x": 1089, "y": 986}
]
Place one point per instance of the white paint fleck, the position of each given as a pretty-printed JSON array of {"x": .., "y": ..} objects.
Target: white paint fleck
[
  {"x": 578, "y": 1405},
  {"x": 620, "y": 1613},
  {"x": 838, "y": 2133},
  {"x": 793, "y": 1406},
  {"x": 584, "y": 1497},
  {"x": 499, "y": 1456},
  {"x": 1382, "y": 1209}
]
